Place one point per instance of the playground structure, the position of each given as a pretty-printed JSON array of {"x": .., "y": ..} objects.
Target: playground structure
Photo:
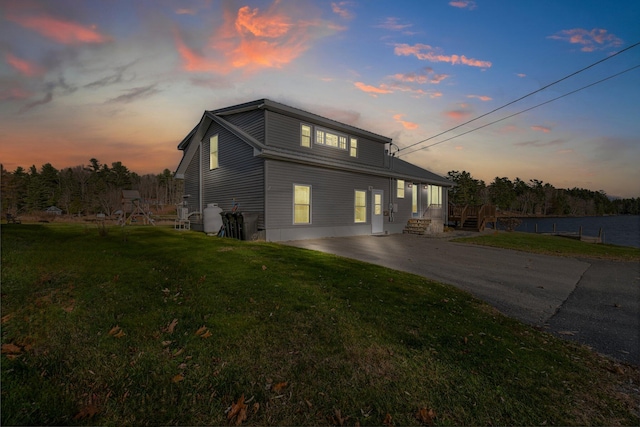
[{"x": 134, "y": 209}]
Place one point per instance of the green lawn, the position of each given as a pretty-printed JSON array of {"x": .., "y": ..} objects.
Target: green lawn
[
  {"x": 149, "y": 326},
  {"x": 553, "y": 245}
]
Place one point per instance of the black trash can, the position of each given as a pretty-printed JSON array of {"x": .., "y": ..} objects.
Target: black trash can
[
  {"x": 239, "y": 222},
  {"x": 250, "y": 225}
]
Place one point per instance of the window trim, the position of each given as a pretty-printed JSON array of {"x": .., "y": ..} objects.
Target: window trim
[
  {"x": 400, "y": 186},
  {"x": 213, "y": 166},
  {"x": 294, "y": 204},
  {"x": 355, "y": 206},
  {"x": 302, "y": 126}
]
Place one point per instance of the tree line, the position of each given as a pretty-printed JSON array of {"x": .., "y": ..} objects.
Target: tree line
[
  {"x": 84, "y": 190},
  {"x": 536, "y": 197}
]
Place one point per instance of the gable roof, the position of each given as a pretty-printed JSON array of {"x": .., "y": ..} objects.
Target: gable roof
[{"x": 396, "y": 168}]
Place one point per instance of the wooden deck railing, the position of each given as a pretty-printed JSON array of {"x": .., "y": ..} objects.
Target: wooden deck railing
[{"x": 483, "y": 213}]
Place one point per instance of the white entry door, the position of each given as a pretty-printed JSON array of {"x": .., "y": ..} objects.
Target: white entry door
[{"x": 377, "y": 218}]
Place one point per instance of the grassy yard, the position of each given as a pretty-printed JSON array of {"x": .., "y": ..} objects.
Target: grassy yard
[
  {"x": 553, "y": 245},
  {"x": 149, "y": 326}
]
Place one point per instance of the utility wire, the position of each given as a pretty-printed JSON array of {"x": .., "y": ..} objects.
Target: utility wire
[
  {"x": 521, "y": 98},
  {"x": 522, "y": 111}
]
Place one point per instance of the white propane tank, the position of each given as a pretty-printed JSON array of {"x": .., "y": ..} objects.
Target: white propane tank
[{"x": 212, "y": 218}]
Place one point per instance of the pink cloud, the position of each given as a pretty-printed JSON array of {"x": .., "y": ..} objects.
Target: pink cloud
[
  {"x": 340, "y": 10},
  {"x": 393, "y": 24},
  {"x": 65, "y": 32},
  {"x": 405, "y": 124},
  {"x": 185, "y": 11},
  {"x": 252, "y": 39},
  {"x": 521, "y": 75},
  {"x": 372, "y": 90},
  {"x": 426, "y": 75},
  {"x": 25, "y": 67},
  {"x": 463, "y": 4},
  {"x": 16, "y": 93},
  {"x": 457, "y": 115},
  {"x": 541, "y": 129},
  {"x": 596, "y": 39},
  {"x": 480, "y": 97},
  {"x": 427, "y": 53}
]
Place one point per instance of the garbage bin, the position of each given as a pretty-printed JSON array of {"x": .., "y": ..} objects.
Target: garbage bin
[
  {"x": 250, "y": 225},
  {"x": 238, "y": 221}
]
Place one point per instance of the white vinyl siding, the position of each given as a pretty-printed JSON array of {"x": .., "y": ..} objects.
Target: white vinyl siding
[
  {"x": 360, "y": 206},
  {"x": 301, "y": 204},
  {"x": 400, "y": 193},
  {"x": 213, "y": 152},
  {"x": 305, "y": 136}
]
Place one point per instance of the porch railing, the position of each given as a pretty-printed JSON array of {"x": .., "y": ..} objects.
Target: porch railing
[{"x": 433, "y": 211}]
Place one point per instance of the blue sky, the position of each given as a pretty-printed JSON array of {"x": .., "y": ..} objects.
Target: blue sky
[{"x": 127, "y": 80}]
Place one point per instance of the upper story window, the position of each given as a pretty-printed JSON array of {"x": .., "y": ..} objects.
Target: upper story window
[
  {"x": 213, "y": 152},
  {"x": 305, "y": 136},
  {"x": 400, "y": 191},
  {"x": 331, "y": 139},
  {"x": 353, "y": 147}
]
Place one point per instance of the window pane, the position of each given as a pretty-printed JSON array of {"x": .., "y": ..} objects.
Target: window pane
[
  {"x": 331, "y": 140},
  {"x": 305, "y": 139},
  {"x": 377, "y": 204},
  {"x": 301, "y": 215},
  {"x": 343, "y": 142},
  {"x": 213, "y": 152},
  {"x": 360, "y": 206},
  {"x": 319, "y": 137},
  {"x": 301, "y": 204},
  {"x": 302, "y": 195},
  {"x": 353, "y": 150},
  {"x": 401, "y": 189}
]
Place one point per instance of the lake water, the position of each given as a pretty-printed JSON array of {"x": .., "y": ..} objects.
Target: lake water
[{"x": 618, "y": 230}]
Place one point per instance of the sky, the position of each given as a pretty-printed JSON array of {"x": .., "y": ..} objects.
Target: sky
[{"x": 127, "y": 80}]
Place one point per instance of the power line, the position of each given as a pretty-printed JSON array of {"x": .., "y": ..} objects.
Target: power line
[
  {"x": 522, "y": 111},
  {"x": 522, "y": 97}
]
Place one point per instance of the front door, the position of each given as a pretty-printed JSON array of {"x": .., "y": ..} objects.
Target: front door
[{"x": 377, "y": 222}]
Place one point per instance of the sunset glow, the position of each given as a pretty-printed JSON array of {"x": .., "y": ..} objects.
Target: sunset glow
[{"x": 127, "y": 81}]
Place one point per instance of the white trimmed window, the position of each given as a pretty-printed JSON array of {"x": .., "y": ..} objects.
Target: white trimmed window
[
  {"x": 213, "y": 152},
  {"x": 353, "y": 147},
  {"x": 305, "y": 136},
  {"x": 301, "y": 204},
  {"x": 360, "y": 206},
  {"x": 331, "y": 139},
  {"x": 400, "y": 191}
]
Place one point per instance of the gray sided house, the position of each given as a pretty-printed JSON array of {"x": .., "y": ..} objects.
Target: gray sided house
[{"x": 306, "y": 176}]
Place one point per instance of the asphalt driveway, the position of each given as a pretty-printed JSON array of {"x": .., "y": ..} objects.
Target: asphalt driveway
[{"x": 593, "y": 302}]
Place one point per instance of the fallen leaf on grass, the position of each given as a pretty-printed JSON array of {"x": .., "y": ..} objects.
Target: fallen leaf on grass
[
  {"x": 116, "y": 332},
  {"x": 337, "y": 418},
  {"x": 11, "y": 349},
  {"x": 264, "y": 267},
  {"x": 426, "y": 416},
  {"x": 238, "y": 411},
  {"x": 177, "y": 378},
  {"x": 171, "y": 326},
  {"x": 280, "y": 386},
  {"x": 88, "y": 411},
  {"x": 387, "y": 420},
  {"x": 203, "y": 332},
  {"x": 6, "y": 318},
  {"x": 567, "y": 332}
]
